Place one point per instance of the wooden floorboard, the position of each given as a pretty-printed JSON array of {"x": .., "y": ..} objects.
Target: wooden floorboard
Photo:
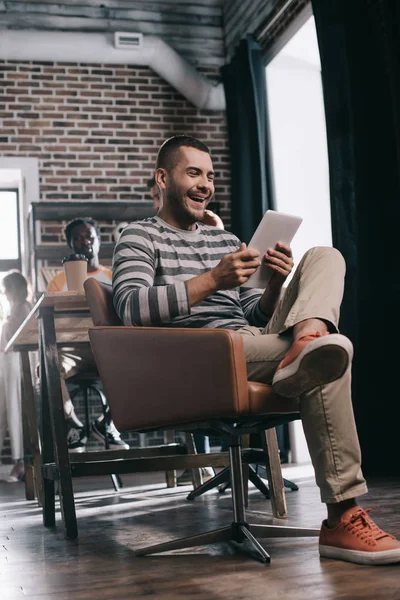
[{"x": 38, "y": 563}]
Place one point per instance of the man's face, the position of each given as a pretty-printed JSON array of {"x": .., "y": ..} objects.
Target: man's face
[
  {"x": 155, "y": 194},
  {"x": 189, "y": 186},
  {"x": 85, "y": 240}
]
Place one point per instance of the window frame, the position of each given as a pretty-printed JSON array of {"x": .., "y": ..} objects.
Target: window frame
[{"x": 6, "y": 264}]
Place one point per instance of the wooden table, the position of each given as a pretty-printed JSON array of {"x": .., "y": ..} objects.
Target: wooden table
[{"x": 58, "y": 320}]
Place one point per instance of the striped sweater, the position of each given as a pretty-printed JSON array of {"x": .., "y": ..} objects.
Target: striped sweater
[{"x": 151, "y": 265}]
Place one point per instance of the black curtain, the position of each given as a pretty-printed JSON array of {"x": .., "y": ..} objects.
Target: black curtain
[
  {"x": 251, "y": 190},
  {"x": 359, "y": 44},
  {"x": 246, "y": 110}
]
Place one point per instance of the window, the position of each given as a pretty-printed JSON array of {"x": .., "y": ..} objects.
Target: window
[
  {"x": 298, "y": 138},
  {"x": 10, "y": 247}
]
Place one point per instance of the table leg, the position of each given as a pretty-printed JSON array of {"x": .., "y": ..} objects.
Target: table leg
[
  {"x": 52, "y": 370},
  {"x": 28, "y": 467},
  {"x": 29, "y": 409},
  {"x": 49, "y": 514}
]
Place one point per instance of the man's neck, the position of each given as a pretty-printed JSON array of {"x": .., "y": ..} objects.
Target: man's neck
[{"x": 174, "y": 222}]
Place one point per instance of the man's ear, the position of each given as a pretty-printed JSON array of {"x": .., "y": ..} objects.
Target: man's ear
[{"x": 161, "y": 178}]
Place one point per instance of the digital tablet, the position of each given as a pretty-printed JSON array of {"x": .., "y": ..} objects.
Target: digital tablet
[{"x": 274, "y": 227}]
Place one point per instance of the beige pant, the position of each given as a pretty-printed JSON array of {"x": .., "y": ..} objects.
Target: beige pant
[{"x": 315, "y": 291}]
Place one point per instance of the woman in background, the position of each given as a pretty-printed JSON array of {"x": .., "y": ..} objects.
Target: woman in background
[{"x": 15, "y": 288}]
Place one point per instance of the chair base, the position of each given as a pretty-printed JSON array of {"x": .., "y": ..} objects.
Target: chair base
[
  {"x": 238, "y": 533},
  {"x": 222, "y": 480}
]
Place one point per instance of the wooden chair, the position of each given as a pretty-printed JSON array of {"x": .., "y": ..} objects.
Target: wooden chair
[{"x": 224, "y": 402}]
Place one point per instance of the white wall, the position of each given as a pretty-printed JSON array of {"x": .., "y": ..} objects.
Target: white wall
[{"x": 299, "y": 154}]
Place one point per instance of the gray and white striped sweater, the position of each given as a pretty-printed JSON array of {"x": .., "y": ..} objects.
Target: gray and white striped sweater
[{"x": 151, "y": 264}]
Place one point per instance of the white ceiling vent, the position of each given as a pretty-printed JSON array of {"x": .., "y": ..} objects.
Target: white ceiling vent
[{"x": 127, "y": 40}]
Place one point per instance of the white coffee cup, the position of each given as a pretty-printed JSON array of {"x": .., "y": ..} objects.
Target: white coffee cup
[{"x": 75, "y": 268}]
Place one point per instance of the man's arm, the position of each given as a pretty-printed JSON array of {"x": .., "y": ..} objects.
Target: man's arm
[
  {"x": 280, "y": 260},
  {"x": 258, "y": 306},
  {"x": 136, "y": 299}
]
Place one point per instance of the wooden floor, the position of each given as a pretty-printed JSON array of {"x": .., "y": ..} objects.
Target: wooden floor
[{"x": 37, "y": 563}]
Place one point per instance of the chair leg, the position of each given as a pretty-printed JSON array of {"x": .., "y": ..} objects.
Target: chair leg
[
  {"x": 218, "y": 480},
  {"x": 246, "y": 470},
  {"x": 86, "y": 401},
  {"x": 258, "y": 483},
  {"x": 196, "y": 473},
  {"x": 274, "y": 474},
  {"x": 115, "y": 478},
  {"x": 116, "y": 481},
  {"x": 239, "y": 532},
  {"x": 170, "y": 476}
]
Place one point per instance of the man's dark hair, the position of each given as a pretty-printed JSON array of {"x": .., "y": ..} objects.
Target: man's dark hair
[
  {"x": 167, "y": 153},
  {"x": 151, "y": 183},
  {"x": 80, "y": 221}
]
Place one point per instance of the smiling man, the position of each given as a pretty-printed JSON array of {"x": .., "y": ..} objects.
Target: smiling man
[{"x": 171, "y": 270}]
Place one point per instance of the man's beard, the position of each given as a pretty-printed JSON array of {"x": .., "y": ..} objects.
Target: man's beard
[
  {"x": 174, "y": 198},
  {"x": 181, "y": 210}
]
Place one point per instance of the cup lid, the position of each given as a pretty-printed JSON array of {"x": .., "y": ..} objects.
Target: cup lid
[{"x": 74, "y": 257}]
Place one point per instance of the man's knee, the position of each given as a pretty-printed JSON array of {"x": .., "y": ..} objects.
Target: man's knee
[{"x": 334, "y": 256}]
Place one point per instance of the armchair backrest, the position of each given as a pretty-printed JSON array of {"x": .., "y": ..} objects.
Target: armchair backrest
[
  {"x": 100, "y": 300},
  {"x": 155, "y": 377}
]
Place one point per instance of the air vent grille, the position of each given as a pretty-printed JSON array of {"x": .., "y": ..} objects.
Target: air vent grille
[{"x": 127, "y": 41}]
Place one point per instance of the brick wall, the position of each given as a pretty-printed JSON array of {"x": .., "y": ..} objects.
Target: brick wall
[{"x": 96, "y": 130}]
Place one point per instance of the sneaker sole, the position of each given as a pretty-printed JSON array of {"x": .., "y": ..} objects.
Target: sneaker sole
[
  {"x": 385, "y": 557},
  {"x": 322, "y": 361},
  {"x": 77, "y": 450},
  {"x": 101, "y": 439}
]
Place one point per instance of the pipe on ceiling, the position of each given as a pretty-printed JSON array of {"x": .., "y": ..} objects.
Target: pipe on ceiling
[{"x": 98, "y": 48}]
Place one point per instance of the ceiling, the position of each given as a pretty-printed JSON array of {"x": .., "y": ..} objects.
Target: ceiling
[{"x": 193, "y": 28}]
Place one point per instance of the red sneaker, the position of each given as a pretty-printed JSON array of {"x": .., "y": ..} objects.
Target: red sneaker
[
  {"x": 358, "y": 539},
  {"x": 314, "y": 359}
]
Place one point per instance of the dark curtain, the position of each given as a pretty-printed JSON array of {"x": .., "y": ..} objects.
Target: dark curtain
[
  {"x": 246, "y": 110},
  {"x": 359, "y": 44}
]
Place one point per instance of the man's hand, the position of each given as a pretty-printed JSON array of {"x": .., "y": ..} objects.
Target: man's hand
[
  {"x": 235, "y": 268},
  {"x": 211, "y": 218},
  {"x": 280, "y": 260}
]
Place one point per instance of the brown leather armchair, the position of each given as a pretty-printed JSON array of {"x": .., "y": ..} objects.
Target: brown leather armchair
[
  {"x": 193, "y": 379},
  {"x": 99, "y": 297}
]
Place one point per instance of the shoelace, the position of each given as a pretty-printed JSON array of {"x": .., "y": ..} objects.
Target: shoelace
[
  {"x": 363, "y": 527},
  {"x": 73, "y": 435},
  {"x": 112, "y": 430}
]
